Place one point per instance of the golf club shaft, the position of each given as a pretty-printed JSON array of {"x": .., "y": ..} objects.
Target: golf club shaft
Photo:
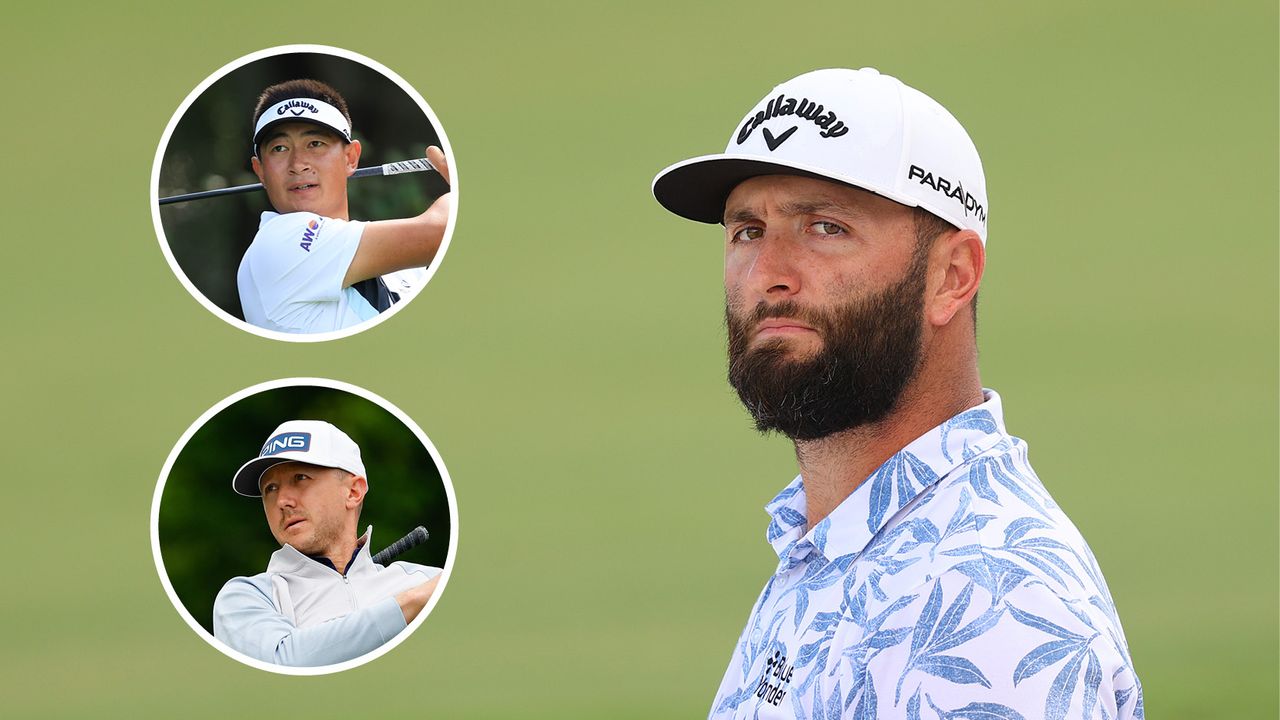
[{"x": 395, "y": 168}]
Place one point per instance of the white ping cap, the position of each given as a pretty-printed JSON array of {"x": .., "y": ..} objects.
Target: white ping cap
[
  {"x": 303, "y": 109},
  {"x": 857, "y": 127},
  {"x": 309, "y": 441}
]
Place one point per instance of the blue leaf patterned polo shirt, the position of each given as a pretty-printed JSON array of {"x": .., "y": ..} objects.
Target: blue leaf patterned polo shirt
[{"x": 948, "y": 585}]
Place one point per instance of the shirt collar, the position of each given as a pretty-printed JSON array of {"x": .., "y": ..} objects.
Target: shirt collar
[
  {"x": 288, "y": 558},
  {"x": 324, "y": 560},
  {"x": 901, "y": 479}
]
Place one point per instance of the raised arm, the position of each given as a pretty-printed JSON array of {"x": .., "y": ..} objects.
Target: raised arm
[
  {"x": 246, "y": 620},
  {"x": 390, "y": 245}
]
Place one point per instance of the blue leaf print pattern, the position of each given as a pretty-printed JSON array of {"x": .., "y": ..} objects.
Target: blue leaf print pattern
[
  {"x": 977, "y": 478},
  {"x": 928, "y": 641},
  {"x": 1007, "y": 478},
  {"x": 834, "y": 708},
  {"x": 802, "y": 604},
  {"x": 1092, "y": 681},
  {"x": 1122, "y": 696},
  {"x": 983, "y": 711},
  {"x": 908, "y": 473},
  {"x": 858, "y": 605},
  {"x": 951, "y": 618},
  {"x": 881, "y": 493},
  {"x": 1020, "y": 527},
  {"x": 888, "y": 638},
  {"x": 866, "y": 709},
  {"x": 953, "y": 668},
  {"x": 1063, "y": 687},
  {"x": 1064, "y": 684},
  {"x": 928, "y": 616},
  {"x": 1043, "y": 625},
  {"x": 1042, "y": 657},
  {"x": 973, "y": 630},
  {"x": 820, "y": 534},
  {"x": 949, "y": 561},
  {"x": 809, "y": 652},
  {"x": 980, "y": 420}
]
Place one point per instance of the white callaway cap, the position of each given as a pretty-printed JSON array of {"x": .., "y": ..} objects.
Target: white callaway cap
[
  {"x": 857, "y": 127},
  {"x": 302, "y": 110},
  {"x": 309, "y": 441}
]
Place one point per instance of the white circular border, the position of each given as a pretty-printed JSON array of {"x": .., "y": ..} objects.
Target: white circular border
[
  {"x": 272, "y": 52},
  {"x": 318, "y": 669}
]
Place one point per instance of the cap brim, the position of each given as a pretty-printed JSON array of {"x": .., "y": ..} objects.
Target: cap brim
[
  {"x": 246, "y": 478},
  {"x": 697, "y": 188}
]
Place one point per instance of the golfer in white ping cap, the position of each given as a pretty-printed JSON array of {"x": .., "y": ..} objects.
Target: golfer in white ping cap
[
  {"x": 923, "y": 570},
  {"x": 322, "y": 600}
]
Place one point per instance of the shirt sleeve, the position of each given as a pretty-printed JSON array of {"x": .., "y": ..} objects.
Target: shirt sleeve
[
  {"x": 245, "y": 619},
  {"x": 301, "y": 258},
  {"x": 957, "y": 650}
]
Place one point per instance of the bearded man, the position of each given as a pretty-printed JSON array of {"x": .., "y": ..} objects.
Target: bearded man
[{"x": 924, "y": 570}]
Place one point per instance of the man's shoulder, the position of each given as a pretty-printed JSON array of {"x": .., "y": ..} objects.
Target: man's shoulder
[
  {"x": 296, "y": 256},
  {"x": 991, "y": 520},
  {"x": 252, "y": 586},
  {"x": 262, "y": 579},
  {"x": 279, "y": 229}
]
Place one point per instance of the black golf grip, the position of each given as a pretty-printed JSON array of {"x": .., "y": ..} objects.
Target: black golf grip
[{"x": 415, "y": 538}]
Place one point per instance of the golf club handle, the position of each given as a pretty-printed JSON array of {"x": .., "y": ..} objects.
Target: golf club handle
[
  {"x": 396, "y": 168},
  {"x": 392, "y": 168},
  {"x": 415, "y": 538}
]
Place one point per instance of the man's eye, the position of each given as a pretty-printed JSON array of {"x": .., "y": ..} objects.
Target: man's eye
[
  {"x": 751, "y": 232},
  {"x": 826, "y": 227},
  {"x": 315, "y": 143},
  {"x": 270, "y": 487},
  {"x": 278, "y": 148}
]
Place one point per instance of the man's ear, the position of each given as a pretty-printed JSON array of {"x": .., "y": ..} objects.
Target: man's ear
[
  {"x": 355, "y": 493},
  {"x": 958, "y": 259},
  {"x": 257, "y": 169},
  {"x": 352, "y": 151}
]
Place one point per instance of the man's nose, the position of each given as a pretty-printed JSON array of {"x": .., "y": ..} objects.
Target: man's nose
[
  {"x": 286, "y": 498},
  {"x": 298, "y": 163},
  {"x": 773, "y": 272}
]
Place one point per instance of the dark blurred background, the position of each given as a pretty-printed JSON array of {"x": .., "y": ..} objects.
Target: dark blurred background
[
  {"x": 209, "y": 534},
  {"x": 210, "y": 148}
]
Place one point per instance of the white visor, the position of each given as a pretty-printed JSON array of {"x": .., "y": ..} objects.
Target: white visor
[{"x": 302, "y": 110}]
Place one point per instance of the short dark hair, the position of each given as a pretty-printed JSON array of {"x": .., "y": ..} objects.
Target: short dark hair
[
  {"x": 304, "y": 88},
  {"x": 928, "y": 228}
]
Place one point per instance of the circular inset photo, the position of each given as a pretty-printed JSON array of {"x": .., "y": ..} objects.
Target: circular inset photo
[
  {"x": 304, "y": 193},
  {"x": 304, "y": 526}
]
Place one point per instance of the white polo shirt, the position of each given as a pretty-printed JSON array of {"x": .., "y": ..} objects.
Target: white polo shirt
[
  {"x": 948, "y": 584},
  {"x": 290, "y": 279}
]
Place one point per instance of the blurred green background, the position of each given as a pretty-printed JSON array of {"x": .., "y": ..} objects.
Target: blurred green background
[
  {"x": 209, "y": 534},
  {"x": 567, "y": 358},
  {"x": 210, "y": 148}
]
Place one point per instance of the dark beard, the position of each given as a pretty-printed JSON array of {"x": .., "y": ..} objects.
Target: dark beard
[{"x": 870, "y": 351}]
